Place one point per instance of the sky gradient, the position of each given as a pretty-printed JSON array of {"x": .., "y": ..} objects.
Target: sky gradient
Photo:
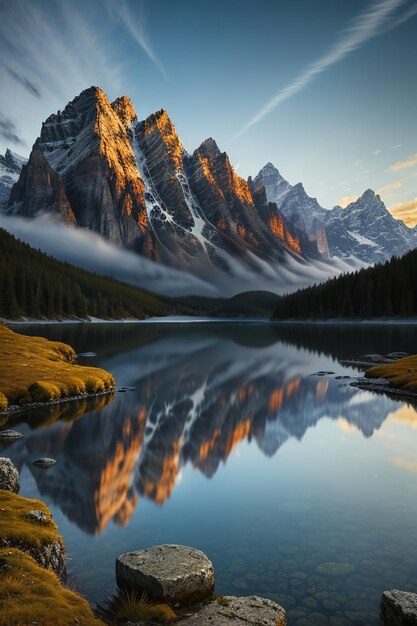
[{"x": 324, "y": 90}]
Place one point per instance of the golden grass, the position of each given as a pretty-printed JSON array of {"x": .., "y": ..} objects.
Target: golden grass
[
  {"x": 401, "y": 373},
  {"x": 33, "y": 369},
  {"x": 30, "y": 594},
  {"x": 16, "y": 527}
]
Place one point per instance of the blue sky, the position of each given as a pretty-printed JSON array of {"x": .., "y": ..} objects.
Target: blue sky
[{"x": 326, "y": 90}]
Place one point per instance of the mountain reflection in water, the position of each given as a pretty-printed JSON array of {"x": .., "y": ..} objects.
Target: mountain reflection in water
[{"x": 196, "y": 396}]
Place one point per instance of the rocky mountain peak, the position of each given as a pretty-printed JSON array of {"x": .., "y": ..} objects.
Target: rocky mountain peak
[
  {"x": 269, "y": 173},
  {"x": 124, "y": 108},
  {"x": 208, "y": 148},
  {"x": 11, "y": 161},
  {"x": 158, "y": 128}
]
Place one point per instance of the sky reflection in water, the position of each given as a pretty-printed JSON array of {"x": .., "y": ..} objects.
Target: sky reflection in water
[{"x": 299, "y": 487}]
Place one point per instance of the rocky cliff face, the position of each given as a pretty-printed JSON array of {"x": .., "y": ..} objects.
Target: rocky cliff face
[
  {"x": 132, "y": 182},
  {"x": 40, "y": 190},
  {"x": 365, "y": 229}
]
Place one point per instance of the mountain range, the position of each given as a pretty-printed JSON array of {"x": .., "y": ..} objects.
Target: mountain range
[
  {"x": 365, "y": 229},
  {"x": 132, "y": 182}
]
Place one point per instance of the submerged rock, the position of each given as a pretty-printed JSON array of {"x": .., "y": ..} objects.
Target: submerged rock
[
  {"x": 9, "y": 476},
  {"x": 44, "y": 463},
  {"x": 171, "y": 573},
  {"x": 231, "y": 611},
  {"x": 9, "y": 435},
  {"x": 335, "y": 569},
  {"x": 399, "y": 608}
]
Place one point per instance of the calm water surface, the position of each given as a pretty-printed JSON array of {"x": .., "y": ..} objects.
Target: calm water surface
[{"x": 299, "y": 487}]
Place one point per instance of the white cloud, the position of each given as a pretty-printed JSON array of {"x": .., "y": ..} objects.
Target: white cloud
[
  {"x": 135, "y": 26},
  {"x": 367, "y": 25}
]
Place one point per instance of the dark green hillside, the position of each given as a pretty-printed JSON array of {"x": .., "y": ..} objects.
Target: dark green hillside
[
  {"x": 35, "y": 285},
  {"x": 386, "y": 290}
]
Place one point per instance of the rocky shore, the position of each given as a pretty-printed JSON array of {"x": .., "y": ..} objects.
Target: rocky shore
[
  {"x": 166, "y": 583},
  {"x": 163, "y": 584},
  {"x": 394, "y": 374}
]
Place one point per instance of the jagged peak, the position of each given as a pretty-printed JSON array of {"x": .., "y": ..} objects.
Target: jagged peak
[
  {"x": 299, "y": 187},
  {"x": 369, "y": 194},
  {"x": 209, "y": 147},
  {"x": 12, "y": 160},
  {"x": 124, "y": 108},
  {"x": 269, "y": 168},
  {"x": 88, "y": 99}
]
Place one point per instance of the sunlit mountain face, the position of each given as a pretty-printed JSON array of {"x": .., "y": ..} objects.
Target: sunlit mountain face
[{"x": 244, "y": 440}]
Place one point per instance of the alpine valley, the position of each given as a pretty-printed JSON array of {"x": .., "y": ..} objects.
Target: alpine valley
[{"x": 95, "y": 166}]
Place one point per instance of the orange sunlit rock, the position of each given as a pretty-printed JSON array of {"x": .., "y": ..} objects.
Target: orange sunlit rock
[
  {"x": 277, "y": 226},
  {"x": 161, "y": 491},
  {"x": 321, "y": 389},
  {"x": 160, "y": 123},
  {"x": 208, "y": 446},
  {"x": 276, "y": 399},
  {"x": 111, "y": 498},
  {"x": 241, "y": 431}
]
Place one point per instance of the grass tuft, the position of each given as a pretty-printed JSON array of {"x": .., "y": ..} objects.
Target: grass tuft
[{"x": 131, "y": 606}]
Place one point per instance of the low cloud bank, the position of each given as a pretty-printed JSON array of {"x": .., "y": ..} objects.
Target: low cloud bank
[
  {"x": 92, "y": 252},
  {"x": 88, "y": 250}
]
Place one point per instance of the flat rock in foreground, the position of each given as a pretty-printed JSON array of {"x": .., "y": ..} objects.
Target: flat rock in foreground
[
  {"x": 399, "y": 608},
  {"x": 174, "y": 574},
  {"x": 231, "y": 611}
]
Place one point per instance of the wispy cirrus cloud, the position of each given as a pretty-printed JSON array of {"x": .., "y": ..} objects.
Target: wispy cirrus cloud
[
  {"x": 410, "y": 161},
  {"x": 54, "y": 53},
  {"x": 136, "y": 26},
  {"x": 9, "y": 132},
  {"x": 379, "y": 18},
  {"x": 25, "y": 82}
]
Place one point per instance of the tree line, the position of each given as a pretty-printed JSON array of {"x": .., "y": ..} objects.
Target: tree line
[
  {"x": 35, "y": 285},
  {"x": 385, "y": 290}
]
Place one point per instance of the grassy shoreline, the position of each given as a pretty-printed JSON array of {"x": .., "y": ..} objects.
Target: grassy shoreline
[
  {"x": 35, "y": 371},
  {"x": 402, "y": 374}
]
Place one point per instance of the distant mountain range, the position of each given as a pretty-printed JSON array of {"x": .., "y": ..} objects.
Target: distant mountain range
[
  {"x": 10, "y": 168},
  {"x": 96, "y": 166},
  {"x": 365, "y": 229}
]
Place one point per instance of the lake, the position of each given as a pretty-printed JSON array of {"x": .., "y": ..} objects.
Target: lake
[{"x": 298, "y": 487}]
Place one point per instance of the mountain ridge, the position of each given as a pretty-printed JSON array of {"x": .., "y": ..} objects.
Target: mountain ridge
[
  {"x": 364, "y": 229},
  {"x": 134, "y": 183}
]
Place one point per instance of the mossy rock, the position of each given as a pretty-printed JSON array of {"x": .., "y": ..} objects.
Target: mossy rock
[
  {"x": 20, "y": 527},
  {"x": 335, "y": 569},
  {"x": 33, "y": 369},
  {"x": 30, "y": 594}
]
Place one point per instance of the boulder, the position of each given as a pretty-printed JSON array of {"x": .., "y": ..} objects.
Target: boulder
[
  {"x": 169, "y": 573},
  {"x": 9, "y": 476},
  {"x": 231, "y": 611},
  {"x": 399, "y": 608}
]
